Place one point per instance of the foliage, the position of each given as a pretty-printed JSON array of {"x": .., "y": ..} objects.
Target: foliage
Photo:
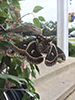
[
  {"x": 55, "y": 41},
  {"x": 71, "y": 29},
  {"x": 49, "y": 28},
  {"x": 13, "y": 66},
  {"x": 6, "y": 10},
  {"x": 71, "y": 49},
  {"x": 46, "y": 32},
  {"x": 37, "y": 8},
  {"x": 37, "y": 21}
]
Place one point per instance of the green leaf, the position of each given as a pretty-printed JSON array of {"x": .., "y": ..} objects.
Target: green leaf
[
  {"x": 26, "y": 72},
  {"x": 0, "y": 56},
  {"x": 2, "y": 34},
  {"x": 16, "y": 40},
  {"x": 14, "y": 17},
  {"x": 5, "y": 15},
  {"x": 14, "y": 78},
  {"x": 36, "y": 99},
  {"x": 17, "y": 6},
  {"x": 36, "y": 22},
  {"x": 41, "y": 18},
  {"x": 37, "y": 8},
  {"x": 2, "y": 19},
  {"x": 26, "y": 96},
  {"x": 13, "y": 64},
  {"x": 7, "y": 60},
  {"x": 1, "y": 10},
  {"x": 2, "y": 84},
  {"x": 33, "y": 73},
  {"x": 13, "y": 1},
  {"x": 9, "y": 24},
  {"x": 4, "y": 4},
  {"x": 17, "y": 61},
  {"x": 18, "y": 69},
  {"x": 31, "y": 87},
  {"x": 37, "y": 95},
  {"x": 16, "y": 35},
  {"x": 13, "y": 72},
  {"x": 37, "y": 69},
  {"x": 4, "y": 45},
  {"x": 16, "y": 14},
  {"x": 30, "y": 94},
  {"x": 32, "y": 67},
  {"x": 1, "y": 16}
]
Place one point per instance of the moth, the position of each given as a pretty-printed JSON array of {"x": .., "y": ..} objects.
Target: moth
[{"x": 33, "y": 50}]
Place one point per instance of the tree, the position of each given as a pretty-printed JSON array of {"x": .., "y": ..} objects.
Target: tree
[
  {"x": 49, "y": 28},
  {"x": 13, "y": 72},
  {"x": 46, "y": 32},
  {"x": 71, "y": 29}
]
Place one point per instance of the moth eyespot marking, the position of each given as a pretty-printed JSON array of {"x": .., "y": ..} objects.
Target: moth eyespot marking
[
  {"x": 24, "y": 45},
  {"x": 32, "y": 52},
  {"x": 21, "y": 54},
  {"x": 12, "y": 51},
  {"x": 52, "y": 54}
]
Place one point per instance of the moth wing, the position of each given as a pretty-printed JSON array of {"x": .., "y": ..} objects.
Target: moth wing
[
  {"x": 34, "y": 55},
  {"x": 52, "y": 55},
  {"x": 23, "y": 45},
  {"x": 61, "y": 55}
]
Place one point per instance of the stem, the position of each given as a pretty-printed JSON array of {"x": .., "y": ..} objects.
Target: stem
[
  {"x": 21, "y": 18},
  {"x": 6, "y": 37},
  {"x": 4, "y": 30}
]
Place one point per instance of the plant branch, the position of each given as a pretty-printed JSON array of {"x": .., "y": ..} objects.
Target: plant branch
[
  {"x": 7, "y": 37},
  {"x": 21, "y": 18}
]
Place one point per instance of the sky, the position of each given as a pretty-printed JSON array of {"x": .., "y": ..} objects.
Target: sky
[{"x": 49, "y": 12}]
